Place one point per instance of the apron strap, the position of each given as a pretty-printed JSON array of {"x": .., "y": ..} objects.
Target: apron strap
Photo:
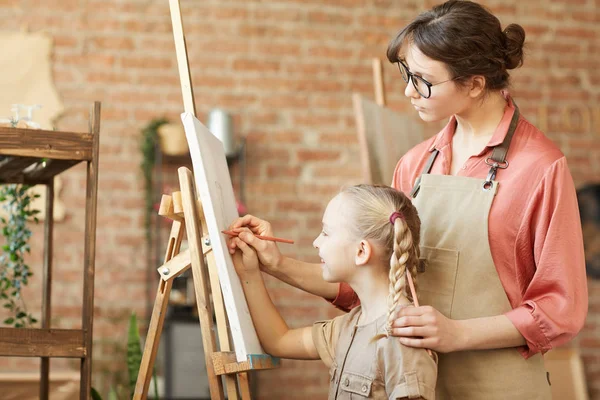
[
  {"x": 498, "y": 158},
  {"x": 426, "y": 170}
]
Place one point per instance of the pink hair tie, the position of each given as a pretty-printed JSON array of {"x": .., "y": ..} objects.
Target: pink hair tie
[{"x": 395, "y": 215}]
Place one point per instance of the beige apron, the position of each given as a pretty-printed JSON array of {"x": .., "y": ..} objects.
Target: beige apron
[{"x": 461, "y": 281}]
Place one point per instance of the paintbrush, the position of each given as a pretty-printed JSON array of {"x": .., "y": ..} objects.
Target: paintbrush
[{"x": 271, "y": 238}]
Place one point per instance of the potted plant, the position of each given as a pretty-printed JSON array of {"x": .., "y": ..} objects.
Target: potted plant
[{"x": 14, "y": 272}]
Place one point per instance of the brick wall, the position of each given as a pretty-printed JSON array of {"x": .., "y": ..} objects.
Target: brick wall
[{"x": 286, "y": 70}]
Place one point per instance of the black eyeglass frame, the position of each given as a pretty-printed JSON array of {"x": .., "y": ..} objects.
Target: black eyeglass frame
[{"x": 411, "y": 77}]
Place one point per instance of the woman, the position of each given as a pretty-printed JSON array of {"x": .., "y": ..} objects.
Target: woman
[{"x": 500, "y": 225}]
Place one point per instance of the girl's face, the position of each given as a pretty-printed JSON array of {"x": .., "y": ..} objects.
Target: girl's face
[
  {"x": 337, "y": 247},
  {"x": 446, "y": 98}
]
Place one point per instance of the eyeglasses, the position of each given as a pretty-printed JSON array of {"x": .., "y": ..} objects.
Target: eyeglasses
[{"x": 421, "y": 85}]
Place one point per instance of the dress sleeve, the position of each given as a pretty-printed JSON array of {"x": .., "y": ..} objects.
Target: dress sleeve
[
  {"x": 325, "y": 335},
  {"x": 555, "y": 302}
]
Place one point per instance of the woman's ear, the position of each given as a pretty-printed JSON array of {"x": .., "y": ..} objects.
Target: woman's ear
[
  {"x": 477, "y": 87},
  {"x": 364, "y": 252}
]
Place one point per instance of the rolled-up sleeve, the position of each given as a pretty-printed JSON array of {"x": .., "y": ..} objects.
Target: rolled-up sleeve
[
  {"x": 325, "y": 336},
  {"x": 555, "y": 302},
  {"x": 346, "y": 298}
]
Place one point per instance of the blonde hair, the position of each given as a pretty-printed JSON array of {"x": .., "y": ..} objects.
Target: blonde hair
[{"x": 371, "y": 220}]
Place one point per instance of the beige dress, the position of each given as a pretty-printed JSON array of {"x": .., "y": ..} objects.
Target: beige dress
[{"x": 363, "y": 368}]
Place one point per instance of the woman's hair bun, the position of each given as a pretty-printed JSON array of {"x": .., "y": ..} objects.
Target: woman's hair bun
[{"x": 515, "y": 38}]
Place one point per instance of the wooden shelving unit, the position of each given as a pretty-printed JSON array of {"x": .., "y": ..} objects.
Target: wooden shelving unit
[{"x": 35, "y": 157}]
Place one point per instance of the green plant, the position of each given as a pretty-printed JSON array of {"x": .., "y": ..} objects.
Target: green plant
[
  {"x": 148, "y": 149},
  {"x": 134, "y": 359},
  {"x": 112, "y": 394},
  {"x": 134, "y": 355},
  {"x": 14, "y": 272}
]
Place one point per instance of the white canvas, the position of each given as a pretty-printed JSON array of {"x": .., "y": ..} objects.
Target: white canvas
[{"x": 215, "y": 191}]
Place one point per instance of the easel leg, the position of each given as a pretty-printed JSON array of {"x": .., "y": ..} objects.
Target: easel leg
[
  {"x": 201, "y": 288},
  {"x": 158, "y": 318},
  {"x": 244, "y": 383},
  {"x": 223, "y": 330},
  {"x": 221, "y": 317},
  {"x": 152, "y": 339}
]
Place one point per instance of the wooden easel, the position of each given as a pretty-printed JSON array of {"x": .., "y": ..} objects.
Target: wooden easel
[{"x": 185, "y": 211}]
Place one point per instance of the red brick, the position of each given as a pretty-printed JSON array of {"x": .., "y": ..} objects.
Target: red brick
[
  {"x": 586, "y": 16},
  {"x": 293, "y": 101},
  {"x": 299, "y": 206},
  {"x": 535, "y": 30},
  {"x": 264, "y": 118},
  {"x": 343, "y": 172},
  {"x": 228, "y": 13},
  {"x": 317, "y": 155},
  {"x": 65, "y": 40},
  {"x": 94, "y": 61},
  {"x": 270, "y": 31},
  {"x": 108, "y": 77},
  {"x": 283, "y": 15},
  {"x": 317, "y": 120},
  {"x": 331, "y": 52},
  {"x": 273, "y": 188},
  {"x": 249, "y": 65},
  {"x": 579, "y": 33},
  {"x": 96, "y": 23},
  {"x": 158, "y": 79},
  {"x": 330, "y": 18},
  {"x": 279, "y": 137},
  {"x": 276, "y": 49},
  {"x": 154, "y": 26},
  {"x": 112, "y": 43},
  {"x": 279, "y": 171},
  {"x": 338, "y": 138},
  {"x": 319, "y": 189},
  {"x": 147, "y": 62}
]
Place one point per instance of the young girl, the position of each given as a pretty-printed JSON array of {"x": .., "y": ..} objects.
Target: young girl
[{"x": 370, "y": 241}]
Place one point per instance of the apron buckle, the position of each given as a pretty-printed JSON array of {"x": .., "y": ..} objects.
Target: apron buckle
[
  {"x": 487, "y": 185},
  {"x": 496, "y": 164}
]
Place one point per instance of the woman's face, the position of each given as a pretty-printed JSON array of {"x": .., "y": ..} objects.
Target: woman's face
[{"x": 446, "y": 98}]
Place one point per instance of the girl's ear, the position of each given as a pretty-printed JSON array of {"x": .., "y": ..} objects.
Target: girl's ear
[{"x": 364, "y": 251}]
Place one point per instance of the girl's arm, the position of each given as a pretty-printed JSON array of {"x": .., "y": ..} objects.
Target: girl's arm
[
  {"x": 303, "y": 275},
  {"x": 274, "y": 335}
]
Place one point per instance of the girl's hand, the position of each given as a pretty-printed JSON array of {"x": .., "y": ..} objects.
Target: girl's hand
[
  {"x": 245, "y": 259},
  {"x": 267, "y": 251},
  {"x": 425, "y": 327}
]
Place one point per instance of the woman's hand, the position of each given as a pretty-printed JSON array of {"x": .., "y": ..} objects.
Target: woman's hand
[
  {"x": 245, "y": 259},
  {"x": 425, "y": 327},
  {"x": 267, "y": 251}
]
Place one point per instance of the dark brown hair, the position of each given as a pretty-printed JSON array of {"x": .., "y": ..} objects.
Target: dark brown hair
[{"x": 468, "y": 39}]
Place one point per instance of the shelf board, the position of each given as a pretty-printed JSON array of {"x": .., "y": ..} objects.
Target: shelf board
[
  {"x": 27, "y": 342},
  {"x": 41, "y": 143},
  {"x": 30, "y": 170}
]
